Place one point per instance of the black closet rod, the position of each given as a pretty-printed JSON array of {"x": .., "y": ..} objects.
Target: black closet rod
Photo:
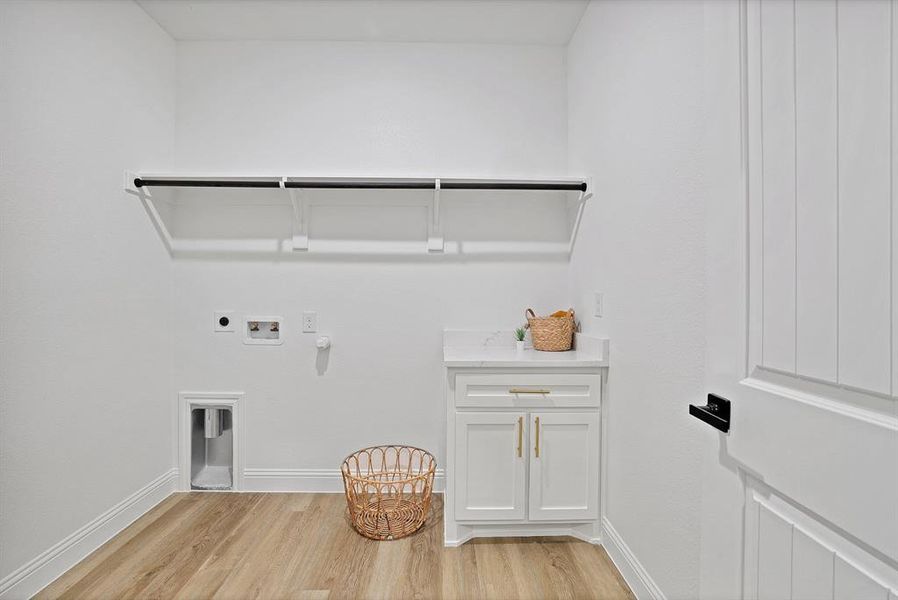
[
  {"x": 464, "y": 184},
  {"x": 392, "y": 184}
]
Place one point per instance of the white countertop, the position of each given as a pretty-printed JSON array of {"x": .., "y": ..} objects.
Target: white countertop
[
  {"x": 460, "y": 350},
  {"x": 474, "y": 356}
]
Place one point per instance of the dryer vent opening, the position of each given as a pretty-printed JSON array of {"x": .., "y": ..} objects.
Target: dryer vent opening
[{"x": 211, "y": 449}]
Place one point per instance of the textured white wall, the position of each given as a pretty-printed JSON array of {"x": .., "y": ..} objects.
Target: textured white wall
[
  {"x": 86, "y": 90},
  {"x": 358, "y": 109},
  {"x": 388, "y": 109},
  {"x": 634, "y": 98}
]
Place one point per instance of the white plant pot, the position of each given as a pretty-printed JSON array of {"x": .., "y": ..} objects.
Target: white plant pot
[{"x": 519, "y": 346}]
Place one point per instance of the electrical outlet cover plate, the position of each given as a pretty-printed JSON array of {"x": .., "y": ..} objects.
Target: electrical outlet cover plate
[
  {"x": 309, "y": 322},
  {"x": 223, "y": 321},
  {"x": 599, "y": 304}
]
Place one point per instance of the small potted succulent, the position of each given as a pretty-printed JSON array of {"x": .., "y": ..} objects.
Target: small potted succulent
[{"x": 519, "y": 334}]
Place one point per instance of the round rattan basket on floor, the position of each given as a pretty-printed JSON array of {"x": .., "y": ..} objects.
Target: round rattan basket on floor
[{"x": 388, "y": 490}]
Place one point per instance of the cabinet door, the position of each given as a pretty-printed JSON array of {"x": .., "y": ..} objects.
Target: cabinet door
[
  {"x": 490, "y": 452},
  {"x": 564, "y": 466}
]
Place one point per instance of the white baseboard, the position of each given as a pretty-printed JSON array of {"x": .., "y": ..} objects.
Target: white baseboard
[
  {"x": 641, "y": 584},
  {"x": 39, "y": 572},
  {"x": 326, "y": 481}
]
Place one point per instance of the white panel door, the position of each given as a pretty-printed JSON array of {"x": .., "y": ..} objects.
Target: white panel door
[
  {"x": 800, "y": 496},
  {"x": 490, "y": 455},
  {"x": 564, "y": 466}
]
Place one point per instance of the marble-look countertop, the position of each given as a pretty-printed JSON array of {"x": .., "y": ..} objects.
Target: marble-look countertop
[{"x": 497, "y": 349}]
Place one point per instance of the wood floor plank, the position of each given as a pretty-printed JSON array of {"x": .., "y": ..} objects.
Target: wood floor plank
[
  {"x": 596, "y": 565},
  {"x": 459, "y": 577},
  {"x": 494, "y": 569},
  {"x": 231, "y": 553},
  {"x": 172, "y": 573},
  {"x": 423, "y": 577},
  {"x": 263, "y": 577},
  {"x": 524, "y": 563},
  {"x": 104, "y": 552},
  {"x": 301, "y": 546},
  {"x": 126, "y": 564},
  {"x": 353, "y": 558},
  {"x": 306, "y": 562}
]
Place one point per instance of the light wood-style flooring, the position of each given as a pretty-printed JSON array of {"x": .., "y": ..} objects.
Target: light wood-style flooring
[{"x": 301, "y": 546}]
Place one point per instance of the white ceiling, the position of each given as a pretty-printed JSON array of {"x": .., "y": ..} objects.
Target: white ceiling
[{"x": 478, "y": 21}]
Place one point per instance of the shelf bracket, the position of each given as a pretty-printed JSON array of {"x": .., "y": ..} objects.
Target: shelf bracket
[
  {"x": 581, "y": 203},
  {"x": 300, "y": 217},
  {"x": 435, "y": 241},
  {"x": 146, "y": 199}
]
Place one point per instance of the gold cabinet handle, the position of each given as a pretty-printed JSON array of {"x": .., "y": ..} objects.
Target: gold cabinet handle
[
  {"x": 525, "y": 391},
  {"x": 520, "y": 437},
  {"x": 537, "y": 437}
]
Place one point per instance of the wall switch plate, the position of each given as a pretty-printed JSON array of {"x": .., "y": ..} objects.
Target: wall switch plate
[
  {"x": 309, "y": 322},
  {"x": 599, "y": 304},
  {"x": 223, "y": 321}
]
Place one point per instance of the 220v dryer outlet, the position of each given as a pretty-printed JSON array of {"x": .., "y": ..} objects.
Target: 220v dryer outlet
[{"x": 223, "y": 321}]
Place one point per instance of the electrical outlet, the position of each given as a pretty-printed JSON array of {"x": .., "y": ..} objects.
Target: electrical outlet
[
  {"x": 599, "y": 302},
  {"x": 309, "y": 322},
  {"x": 223, "y": 321}
]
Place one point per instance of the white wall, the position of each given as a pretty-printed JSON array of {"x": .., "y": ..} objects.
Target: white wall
[
  {"x": 357, "y": 109},
  {"x": 373, "y": 109},
  {"x": 86, "y": 90},
  {"x": 634, "y": 123}
]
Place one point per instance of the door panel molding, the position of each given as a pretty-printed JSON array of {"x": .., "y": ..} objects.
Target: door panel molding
[
  {"x": 834, "y": 465},
  {"x": 845, "y": 409},
  {"x": 820, "y": 561}
]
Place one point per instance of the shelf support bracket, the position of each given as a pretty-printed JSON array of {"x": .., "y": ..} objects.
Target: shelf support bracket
[
  {"x": 435, "y": 241},
  {"x": 146, "y": 199},
  {"x": 300, "y": 217},
  {"x": 581, "y": 203}
]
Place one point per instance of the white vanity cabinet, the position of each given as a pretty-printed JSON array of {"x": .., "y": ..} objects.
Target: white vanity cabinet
[{"x": 523, "y": 443}]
